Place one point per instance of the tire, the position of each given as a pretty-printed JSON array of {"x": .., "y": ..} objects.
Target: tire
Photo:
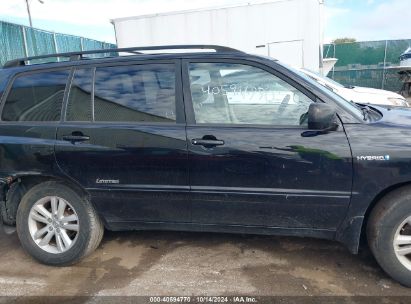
[
  {"x": 389, "y": 219},
  {"x": 57, "y": 250}
]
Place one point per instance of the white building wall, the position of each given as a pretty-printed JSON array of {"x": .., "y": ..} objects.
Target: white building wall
[{"x": 290, "y": 30}]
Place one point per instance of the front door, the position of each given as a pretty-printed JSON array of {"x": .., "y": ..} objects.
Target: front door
[
  {"x": 124, "y": 140},
  {"x": 249, "y": 163}
]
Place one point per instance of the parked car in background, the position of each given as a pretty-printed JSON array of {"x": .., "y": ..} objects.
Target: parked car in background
[
  {"x": 360, "y": 95},
  {"x": 218, "y": 141}
]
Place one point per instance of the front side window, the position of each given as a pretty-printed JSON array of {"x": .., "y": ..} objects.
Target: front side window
[
  {"x": 136, "y": 93},
  {"x": 226, "y": 93},
  {"x": 36, "y": 97}
]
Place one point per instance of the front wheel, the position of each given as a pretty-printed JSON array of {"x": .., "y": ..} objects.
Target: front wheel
[
  {"x": 56, "y": 226},
  {"x": 389, "y": 234}
]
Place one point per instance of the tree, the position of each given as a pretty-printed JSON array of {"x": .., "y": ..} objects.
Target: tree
[{"x": 344, "y": 40}]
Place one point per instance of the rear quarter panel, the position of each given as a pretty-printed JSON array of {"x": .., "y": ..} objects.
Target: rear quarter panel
[{"x": 27, "y": 149}]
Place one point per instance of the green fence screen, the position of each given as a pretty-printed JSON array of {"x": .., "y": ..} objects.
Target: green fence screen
[
  {"x": 19, "y": 41},
  {"x": 371, "y": 64},
  {"x": 12, "y": 42}
]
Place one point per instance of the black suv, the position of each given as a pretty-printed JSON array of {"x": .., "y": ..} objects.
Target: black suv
[{"x": 213, "y": 140}]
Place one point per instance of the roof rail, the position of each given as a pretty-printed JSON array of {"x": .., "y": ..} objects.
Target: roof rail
[{"x": 74, "y": 56}]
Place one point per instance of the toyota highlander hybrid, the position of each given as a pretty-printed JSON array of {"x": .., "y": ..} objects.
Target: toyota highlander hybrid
[{"x": 214, "y": 140}]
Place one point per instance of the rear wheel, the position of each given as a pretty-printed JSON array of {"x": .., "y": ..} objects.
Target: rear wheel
[
  {"x": 389, "y": 234},
  {"x": 56, "y": 226}
]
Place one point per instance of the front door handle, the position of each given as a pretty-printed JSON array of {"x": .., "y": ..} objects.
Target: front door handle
[
  {"x": 76, "y": 137},
  {"x": 207, "y": 142}
]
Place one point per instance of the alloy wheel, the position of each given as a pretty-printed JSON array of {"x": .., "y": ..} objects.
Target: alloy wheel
[
  {"x": 53, "y": 224},
  {"x": 402, "y": 243}
]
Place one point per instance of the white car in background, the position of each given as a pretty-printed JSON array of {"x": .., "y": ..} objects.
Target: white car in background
[{"x": 359, "y": 95}]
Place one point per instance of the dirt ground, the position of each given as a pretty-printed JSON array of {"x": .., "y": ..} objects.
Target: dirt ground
[{"x": 177, "y": 263}]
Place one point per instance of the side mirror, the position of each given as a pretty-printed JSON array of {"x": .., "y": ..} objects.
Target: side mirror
[{"x": 322, "y": 118}]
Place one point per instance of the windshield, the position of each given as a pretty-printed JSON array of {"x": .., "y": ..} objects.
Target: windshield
[{"x": 345, "y": 104}]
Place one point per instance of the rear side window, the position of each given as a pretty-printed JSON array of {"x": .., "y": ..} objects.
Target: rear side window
[
  {"x": 136, "y": 93},
  {"x": 36, "y": 97}
]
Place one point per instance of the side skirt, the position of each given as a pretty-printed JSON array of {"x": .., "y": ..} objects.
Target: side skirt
[{"x": 190, "y": 227}]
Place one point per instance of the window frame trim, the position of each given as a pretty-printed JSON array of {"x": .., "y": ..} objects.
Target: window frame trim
[
  {"x": 66, "y": 98},
  {"x": 190, "y": 115}
]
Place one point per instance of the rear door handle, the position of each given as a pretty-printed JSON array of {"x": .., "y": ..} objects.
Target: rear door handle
[
  {"x": 76, "y": 138},
  {"x": 207, "y": 142}
]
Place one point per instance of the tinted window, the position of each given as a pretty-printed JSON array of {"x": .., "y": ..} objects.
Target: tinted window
[
  {"x": 79, "y": 101},
  {"x": 36, "y": 97},
  {"x": 239, "y": 94},
  {"x": 135, "y": 93}
]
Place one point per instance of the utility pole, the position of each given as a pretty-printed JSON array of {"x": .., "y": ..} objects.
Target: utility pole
[{"x": 28, "y": 10}]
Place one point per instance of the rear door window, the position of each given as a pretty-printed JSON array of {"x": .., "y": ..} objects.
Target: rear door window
[
  {"x": 139, "y": 93},
  {"x": 36, "y": 97}
]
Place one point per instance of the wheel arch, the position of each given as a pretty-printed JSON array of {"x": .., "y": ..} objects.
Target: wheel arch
[
  {"x": 15, "y": 186},
  {"x": 352, "y": 232},
  {"x": 375, "y": 202}
]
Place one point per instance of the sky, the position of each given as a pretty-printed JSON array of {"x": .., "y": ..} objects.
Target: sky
[
  {"x": 360, "y": 19},
  {"x": 367, "y": 19}
]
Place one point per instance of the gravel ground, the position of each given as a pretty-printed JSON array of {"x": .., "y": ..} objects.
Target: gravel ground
[{"x": 180, "y": 263}]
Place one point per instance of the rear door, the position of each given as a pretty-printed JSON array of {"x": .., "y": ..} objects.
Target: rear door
[
  {"x": 124, "y": 140},
  {"x": 249, "y": 161}
]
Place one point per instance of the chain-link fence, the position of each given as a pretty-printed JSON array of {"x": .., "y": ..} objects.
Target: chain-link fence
[
  {"x": 19, "y": 41},
  {"x": 368, "y": 64}
]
